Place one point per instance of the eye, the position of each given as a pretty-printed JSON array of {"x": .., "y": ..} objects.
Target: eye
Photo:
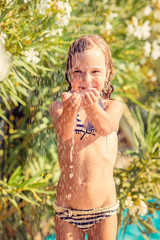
[
  {"x": 95, "y": 71},
  {"x": 78, "y": 71}
]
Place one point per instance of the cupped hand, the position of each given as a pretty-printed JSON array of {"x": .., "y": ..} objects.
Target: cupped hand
[
  {"x": 66, "y": 95},
  {"x": 71, "y": 101},
  {"x": 90, "y": 96}
]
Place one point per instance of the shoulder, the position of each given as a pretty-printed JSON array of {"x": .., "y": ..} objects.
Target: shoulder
[
  {"x": 114, "y": 108},
  {"x": 114, "y": 104}
]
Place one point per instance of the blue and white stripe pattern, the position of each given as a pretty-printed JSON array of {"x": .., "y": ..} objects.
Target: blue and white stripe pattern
[
  {"x": 85, "y": 219},
  {"x": 80, "y": 129}
]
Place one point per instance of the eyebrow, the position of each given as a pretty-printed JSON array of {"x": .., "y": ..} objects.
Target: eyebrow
[{"x": 75, "y": 68}]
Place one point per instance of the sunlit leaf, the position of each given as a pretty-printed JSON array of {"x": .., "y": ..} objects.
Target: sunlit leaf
[
  {"x": 24, "y": 197},
  {"x": 15, "y": 174}
]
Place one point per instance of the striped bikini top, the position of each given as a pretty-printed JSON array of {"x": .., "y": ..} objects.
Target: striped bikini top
[{"x": 80, "y": 129}]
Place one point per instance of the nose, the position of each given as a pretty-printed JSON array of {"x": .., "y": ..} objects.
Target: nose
[{"x": 87, "y": 78}]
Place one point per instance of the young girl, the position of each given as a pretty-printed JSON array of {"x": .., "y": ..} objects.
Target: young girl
[{"x": 86, "y": 123}]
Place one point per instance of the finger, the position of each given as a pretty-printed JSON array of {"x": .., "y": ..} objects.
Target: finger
[
  {"x": 65, "y": 95},
  {"x": 95, "y": 91},
  {"x": 74, "y": 102},
  {"x": 69, "y": 99},
  {"x": 93, "y": 97},
  {"x": 87, "y": 99}
]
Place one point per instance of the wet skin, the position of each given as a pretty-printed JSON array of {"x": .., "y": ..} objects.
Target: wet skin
[
  {"x": 86, "y": 179},
  {"x": 87, "y": 182}
]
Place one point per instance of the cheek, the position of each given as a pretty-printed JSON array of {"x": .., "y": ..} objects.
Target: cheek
[
  {"x": 101, "y": 86},
  {"x": 74, "y": 83},
  {"x": 72, "y": 79},
  {"x": 100, "y": 80},
  {"x": 76, "y": 79}
]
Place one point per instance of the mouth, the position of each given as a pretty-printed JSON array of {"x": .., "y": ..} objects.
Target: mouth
[{"x": 83, "y": 88}]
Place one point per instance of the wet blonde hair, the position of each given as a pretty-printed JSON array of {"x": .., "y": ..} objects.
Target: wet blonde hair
[{"x": 86, "y": 42}]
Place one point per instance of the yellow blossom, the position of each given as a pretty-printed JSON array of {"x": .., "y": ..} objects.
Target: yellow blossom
[{"x": 11, "y": 117}]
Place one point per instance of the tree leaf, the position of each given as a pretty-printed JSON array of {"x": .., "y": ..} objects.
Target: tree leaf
[
  {"x": 15, "y": 174},
  {"x": 22, "y": 196},
  {"x": 26, "y": 66}
]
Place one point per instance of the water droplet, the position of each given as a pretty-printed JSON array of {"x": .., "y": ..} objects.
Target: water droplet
[
  {"x": 71, "y": 175},
  {"x": 70, "y": 213},
  {"x": 73, "y": 141},
  {"x": 69, "y": 196}
]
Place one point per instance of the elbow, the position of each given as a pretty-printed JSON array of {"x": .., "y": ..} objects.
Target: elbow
[
  {"x": 62, "y": 135},
  {"x": 65, "y": 137},
  {"x": 106, "y": 131}
]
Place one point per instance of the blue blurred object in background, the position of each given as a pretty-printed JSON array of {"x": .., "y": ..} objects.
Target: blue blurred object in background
[{"x": 132, "y": 231}]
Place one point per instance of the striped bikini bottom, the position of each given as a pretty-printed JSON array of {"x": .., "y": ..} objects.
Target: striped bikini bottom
[{"x": 85, "y": 219}]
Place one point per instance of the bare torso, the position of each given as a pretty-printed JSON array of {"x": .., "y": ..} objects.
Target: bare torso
[{"x": 86, "y": 179}]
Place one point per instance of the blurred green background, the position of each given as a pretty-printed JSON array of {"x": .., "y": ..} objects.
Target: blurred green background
[{"x": 34, "y": 39}]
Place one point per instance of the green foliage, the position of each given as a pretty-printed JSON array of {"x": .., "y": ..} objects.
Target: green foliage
[
  {"x": 14, "y": 189},
  {"x": 138, "y": 183},
  {"x": 36, "y": 43}
]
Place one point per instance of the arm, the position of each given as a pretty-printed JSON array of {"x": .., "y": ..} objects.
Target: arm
[
  {"x": 104, "y": 121},
  {"x": 63, "y": 113}
]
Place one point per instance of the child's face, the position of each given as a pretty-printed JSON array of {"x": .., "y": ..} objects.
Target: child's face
[{"x": 88, "y": 70}]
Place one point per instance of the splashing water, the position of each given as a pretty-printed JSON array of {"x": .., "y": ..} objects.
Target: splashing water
[
  {"x": 73, "y": 141},
  {"x": 71, "y": 175},
  {"x": 71, "y": 155},
  {"x": 69, "y": 196}
]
